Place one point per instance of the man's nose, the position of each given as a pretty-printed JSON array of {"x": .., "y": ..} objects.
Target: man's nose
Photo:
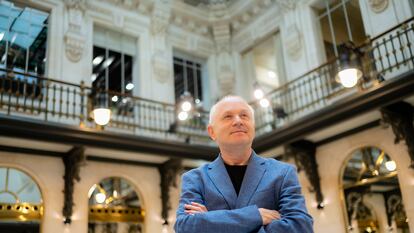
[{"x": 237, "y": 120}]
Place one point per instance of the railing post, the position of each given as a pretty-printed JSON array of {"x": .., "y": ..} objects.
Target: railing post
[{"x": 82, "y": 104}]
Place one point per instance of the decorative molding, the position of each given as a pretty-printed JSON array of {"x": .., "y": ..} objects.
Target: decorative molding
[
  {"x": 401, "y": 117},
  {"x": 127, "y": 4},
  {"x": 378, "y": 6},
  {"x": 293, "y": 42},
  {"x": 304, "y": 154},
  {"x": 190, "y": 25},
  {"x": 168, "y": 172},
  {"x": 160, "y": 17},
  {"x": 72, "y": 162},
  {"x": 74, "y": 38},
  {"x": 222, "y": 37},
  {"x": 287, "y": 5}
]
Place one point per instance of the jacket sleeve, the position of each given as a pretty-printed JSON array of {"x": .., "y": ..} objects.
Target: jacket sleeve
[
  {"x": 295, "y": 218},
  {"x": 241, "y": 220}
]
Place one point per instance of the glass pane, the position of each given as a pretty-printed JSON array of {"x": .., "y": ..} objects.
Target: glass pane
[
  {"x": 16, "y": 185},
  {"x": 355, "y": 20},
  {"x": 178, "y": 80},
  {"x": 128, "y": 63},
  {"x": 115, "y": 71}
]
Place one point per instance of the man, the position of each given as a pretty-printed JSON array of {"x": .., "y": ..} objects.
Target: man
[{"x": 240, "y": 192}]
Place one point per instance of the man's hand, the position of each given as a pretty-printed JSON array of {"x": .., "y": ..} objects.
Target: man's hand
[
  {"x": 268, "y": 215},
  {"x": 195, "y": 208}
]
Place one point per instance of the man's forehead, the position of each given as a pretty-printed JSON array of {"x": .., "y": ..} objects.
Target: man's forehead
[{"x": 233, "y": 105}]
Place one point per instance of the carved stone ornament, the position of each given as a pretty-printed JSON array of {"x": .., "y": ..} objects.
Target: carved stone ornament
[
  {"x": 72, "y": 161},
  {"x": 74, "y": 46},
  {"x": 378, "y": 6},
  {"x": 161, "y": 66},
  {"x": 226, "y": 81},
  {"x": 74, "y": 39},
  {"x": 293, "y": 42},
  {"x": 400, "y": 116},
  {"x": 287, "y": 4},
  {"x": 304, "y": 154},
  {"x": 160, "y": 18},
  {"x": 169, "y": 171}
]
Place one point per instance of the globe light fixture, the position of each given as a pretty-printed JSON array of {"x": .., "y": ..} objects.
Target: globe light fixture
[
  {"x": 101, "y": 113},
  {"x": 101, "y": 116},
  {"x": 258, "y": 93},
  {"x": 129, "y": 86},
  {"x": 264, "y": 103},
  {"x": 100, "y": 198},
  {"x": 349, "y": 67},
  {"x": 182, "y": 116},
  {"x": 391, "y": 165},
  {"x": 349, "y": 77},
  {"x": 186, "y": 106}
]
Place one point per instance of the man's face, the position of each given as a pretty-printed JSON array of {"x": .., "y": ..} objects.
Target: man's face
[{"x": 233, "y": 123}]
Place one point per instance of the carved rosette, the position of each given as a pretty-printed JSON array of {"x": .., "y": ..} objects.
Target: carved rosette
[
  {"x": 378, "y": 6},
  {"x": 293, "y": 42},
  {"x": 74, "y": 38}
]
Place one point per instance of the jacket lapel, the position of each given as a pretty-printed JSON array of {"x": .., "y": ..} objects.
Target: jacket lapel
[
  {"x": 254, "y": 173},
  {"x": 219, "y": 176}
]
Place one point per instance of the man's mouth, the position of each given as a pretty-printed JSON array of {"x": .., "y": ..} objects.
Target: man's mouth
[{"x": 239, "y": 131}]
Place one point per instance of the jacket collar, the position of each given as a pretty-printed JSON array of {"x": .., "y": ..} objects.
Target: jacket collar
[{"x": 254, "y": 173}]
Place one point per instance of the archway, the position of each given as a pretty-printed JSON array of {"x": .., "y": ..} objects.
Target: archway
[
  {"x": 372, "y": 193},
  {"x": 21, "y": 205},
  {"x": 114, "y": 207}
]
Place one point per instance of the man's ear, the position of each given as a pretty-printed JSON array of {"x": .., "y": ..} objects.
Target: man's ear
[{"x": 211, "y": 132}]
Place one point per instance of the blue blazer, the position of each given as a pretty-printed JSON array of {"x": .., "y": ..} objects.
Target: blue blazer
[{"x": 267, "y": 183}]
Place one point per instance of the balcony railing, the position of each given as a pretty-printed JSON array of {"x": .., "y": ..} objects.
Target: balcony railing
[{"x": 28, "y": 95}]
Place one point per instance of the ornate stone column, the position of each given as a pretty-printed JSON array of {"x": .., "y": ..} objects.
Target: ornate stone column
[{"x": 222, "y": 37}]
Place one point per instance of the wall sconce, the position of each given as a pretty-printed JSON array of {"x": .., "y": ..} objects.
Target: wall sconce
[
  {"x": 101, "y": 113},
  {"x": 350, "y": 66}
]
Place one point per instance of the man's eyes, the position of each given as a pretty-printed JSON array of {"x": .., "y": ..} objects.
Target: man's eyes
[{"x": 243, "y": 115}]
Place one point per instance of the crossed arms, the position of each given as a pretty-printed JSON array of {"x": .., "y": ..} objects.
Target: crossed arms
[{"x": 193, "y": 216}]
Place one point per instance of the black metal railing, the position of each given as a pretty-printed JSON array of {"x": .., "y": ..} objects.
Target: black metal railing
[
  {"x": 25, "y": 94},
  {"x": 385, "y": 56}
]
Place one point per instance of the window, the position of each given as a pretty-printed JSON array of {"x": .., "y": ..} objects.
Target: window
[
  {"x": 23, "y": 46},
  {"x": 188, "y": 78},
  {"x": 265, "y": 62},
  {"x": 112, "y": 62},
  {"x": 340, "y": 21},
  {"x": 113, "y": 65}
]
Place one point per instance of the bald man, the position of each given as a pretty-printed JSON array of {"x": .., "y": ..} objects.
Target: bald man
[{"x": 240, "y": 192}]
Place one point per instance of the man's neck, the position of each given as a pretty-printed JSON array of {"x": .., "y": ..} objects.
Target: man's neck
[{"x": 235, "y": 156}]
